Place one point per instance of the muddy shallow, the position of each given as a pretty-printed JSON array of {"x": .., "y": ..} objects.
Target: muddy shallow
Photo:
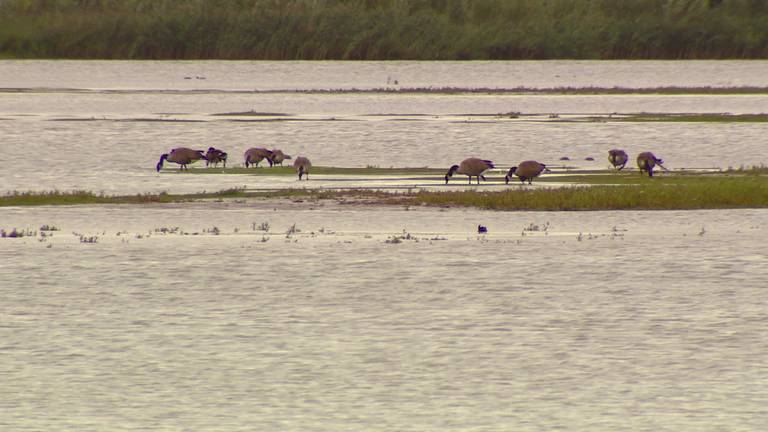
[{"x": 591, "y": 320}]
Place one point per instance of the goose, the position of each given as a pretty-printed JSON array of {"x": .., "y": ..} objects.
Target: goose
[
  {"x": 471, "y": 167},
  {"x": 181, "y": 156},
  {"x": 214, "y": 156},
  {"x": 617, "y": 158},
  {"x": 646, "y": 161},
  {"x": 254, "y": 155},
  {"x": 527, "y": 170},
  {"x": 278, "y": 157},
  {"x": 302, "y": 165}
]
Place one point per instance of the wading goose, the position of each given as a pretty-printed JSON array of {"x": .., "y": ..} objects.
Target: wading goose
[
  {"x": 214, "y": 156},
  {"x": 254, "y": 155},
  {"x": 617, "y": 158},
  {"x": 470, "y": 167},
  {"x": 302, "y": 165},
  {"x": 181, "y": 156},
  {"x": 527, "y": 170},
  {"x": 646, "y": 161},
  {"x": 278, "y": 157}
]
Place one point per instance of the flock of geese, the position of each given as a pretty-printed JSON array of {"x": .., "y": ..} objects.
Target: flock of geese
[
  {"x": 185, "y": 156},
  {"x": 470, "y": 167}
]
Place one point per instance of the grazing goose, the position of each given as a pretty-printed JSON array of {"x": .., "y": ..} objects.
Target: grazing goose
[
  {"x": 617, "y": 158},
  {"x": 302, "y": 165},
  {"x": 471, "y": 167},
  {"x": 214, "y": 156},
  {"x": 527, "y": 170},
  {"x": 278, "y": 157},
  {"x": 181, "y": 156},
  {"x": 646, "y": 161},
  {"x": 254, "y": 155}
]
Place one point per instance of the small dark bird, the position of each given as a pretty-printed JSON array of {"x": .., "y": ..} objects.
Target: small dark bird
[
  {"x": 565, "y": 158},
  {"x": 481, "y": 229},
  {"x": 589, "y": 158}
]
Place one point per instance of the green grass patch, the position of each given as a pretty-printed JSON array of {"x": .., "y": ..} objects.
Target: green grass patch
[
  {"x": 654, "y": 194},
  {"x": 747, "y": 188},
  {"x": 78, "y": 197}
]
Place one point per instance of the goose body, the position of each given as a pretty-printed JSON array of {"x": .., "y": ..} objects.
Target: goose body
[
  {"x": 470, "y": 167},
  {"x": 302, "y": 165},
  {"x": 278, "y": 157},
  {"x": 646, "y": 161},
  {"x": 214, "y": 156},
  {"x": 182, "y": 156},
  {"x": 254, "y": 155},
  {"x": 617, "y": 158},
  {"x": 527, "y": 170}
]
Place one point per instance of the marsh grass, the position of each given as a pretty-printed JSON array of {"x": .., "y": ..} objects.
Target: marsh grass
[
  {"x": 78, "y": 197},
  {"x": 740, "y": 189},
  {"x": 701, "y": 193}
]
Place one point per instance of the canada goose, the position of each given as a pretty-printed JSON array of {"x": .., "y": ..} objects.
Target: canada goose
[
  {"x": 527, "y": 170},
  {"x": 181, "y": 156},
  {"x": 646, "y": 161},
  {"x": 254, "y": 155},
  {"x": 302, "y": 165},
  {"x": 617, "y": 158},
  {"x": 278, "y": 157},
  {"x": 214, "y": 156},
  {"x": 471, "y": 167}
]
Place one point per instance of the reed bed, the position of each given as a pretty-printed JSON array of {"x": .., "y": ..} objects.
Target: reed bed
[
  {"x": 732, "y": 192},
  {"x": 383, "y": 29}
]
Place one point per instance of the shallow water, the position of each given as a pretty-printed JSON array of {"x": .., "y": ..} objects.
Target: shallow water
[
  {"x": 647, "y": 320},
  {"x": 108, "y": 133},
  {"x": 189, "y": 317}
]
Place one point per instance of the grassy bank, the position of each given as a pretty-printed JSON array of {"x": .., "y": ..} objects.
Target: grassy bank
[
  {"x": 712, "y": 193},
  {"x": 383, "y": 29},
  {"x": 721, "y": 191}
]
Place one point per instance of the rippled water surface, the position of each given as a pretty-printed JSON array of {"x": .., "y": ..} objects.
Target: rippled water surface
[
  {"x": 102, "y": 126},
  {"x": 307, "y": 315},
  {"x": 580, "y": 321}
]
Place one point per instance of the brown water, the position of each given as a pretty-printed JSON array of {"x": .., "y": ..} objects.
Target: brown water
[{"x": 189, "y": 317}]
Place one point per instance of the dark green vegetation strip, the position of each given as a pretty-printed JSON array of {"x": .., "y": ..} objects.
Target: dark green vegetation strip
[
  {"x": 655, "y": 194},
  {"x": 747, "y": 189},
  {"x": 384, "y": 29}
]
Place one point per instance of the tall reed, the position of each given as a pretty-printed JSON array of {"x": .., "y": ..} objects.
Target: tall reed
[{"x": 384, "y": 29}]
